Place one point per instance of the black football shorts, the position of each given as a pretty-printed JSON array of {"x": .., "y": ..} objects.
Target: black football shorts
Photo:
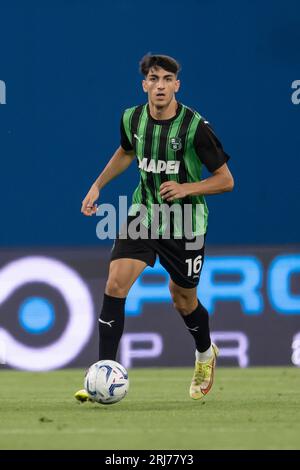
[{"x": 183, "y": 265}]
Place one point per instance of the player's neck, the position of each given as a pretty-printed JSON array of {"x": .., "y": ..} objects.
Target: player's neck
[{"x": 162, "y": 113}]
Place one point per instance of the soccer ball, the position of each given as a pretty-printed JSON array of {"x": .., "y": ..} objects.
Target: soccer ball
[{"x": 106, "y": 382}]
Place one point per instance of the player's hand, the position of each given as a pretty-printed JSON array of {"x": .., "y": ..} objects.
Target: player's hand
[
  {"x": 171, "y": 190},
  {"x": 88, "y": 204}
]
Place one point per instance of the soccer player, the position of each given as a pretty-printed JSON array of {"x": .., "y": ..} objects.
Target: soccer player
[{"x": 171, "y": 142}]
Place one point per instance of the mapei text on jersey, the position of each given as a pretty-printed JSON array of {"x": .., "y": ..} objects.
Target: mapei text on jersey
[{"x": 158, "y": 166}]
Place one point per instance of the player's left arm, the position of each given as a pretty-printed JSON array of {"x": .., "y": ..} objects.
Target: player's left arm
[
  {"x": 212, "y": 155},
  {"x": 221, "y": 181}
]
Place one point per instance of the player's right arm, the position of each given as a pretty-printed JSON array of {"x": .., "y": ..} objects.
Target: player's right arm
[{"x": 119, "y": 162}]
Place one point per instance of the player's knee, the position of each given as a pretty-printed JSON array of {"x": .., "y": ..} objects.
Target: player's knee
[
  {"x": 180, "y": 303},
  {"x": 115, "y": 288},
  {"x": 182, "y": 308}
]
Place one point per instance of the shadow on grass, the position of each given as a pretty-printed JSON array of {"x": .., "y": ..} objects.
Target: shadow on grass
[{"x": 143, "y": 406}]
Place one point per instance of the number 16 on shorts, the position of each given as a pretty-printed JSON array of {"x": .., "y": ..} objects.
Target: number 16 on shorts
[{"x": 194, "y": 266}]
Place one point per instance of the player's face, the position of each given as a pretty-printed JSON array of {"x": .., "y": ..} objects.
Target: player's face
[{"x": 160, "y": 86}]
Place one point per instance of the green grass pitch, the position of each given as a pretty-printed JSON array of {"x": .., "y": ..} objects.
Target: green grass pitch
[{"x": 255, "y": 408}]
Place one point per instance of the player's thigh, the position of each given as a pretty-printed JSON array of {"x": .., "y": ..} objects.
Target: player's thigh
[
  {"x": 122, "y": 274},
  {"x": 184, "y": 299}
]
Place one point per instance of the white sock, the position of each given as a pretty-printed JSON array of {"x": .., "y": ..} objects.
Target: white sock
[{"x": 204, "y": 356}]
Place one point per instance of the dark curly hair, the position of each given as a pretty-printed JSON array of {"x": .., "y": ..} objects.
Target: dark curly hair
[{"x": 154, "y": 60}]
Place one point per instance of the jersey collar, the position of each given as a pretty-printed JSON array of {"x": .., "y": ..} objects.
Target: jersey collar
[{"x": 164, "y": 121}]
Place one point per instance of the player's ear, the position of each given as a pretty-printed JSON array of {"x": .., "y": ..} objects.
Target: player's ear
[
  {"x": 177, "y": 85},
  {"x": 145, "y": 86}
]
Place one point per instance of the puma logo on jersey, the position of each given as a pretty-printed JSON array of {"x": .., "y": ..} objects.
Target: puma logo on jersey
[
  {"x": 137, "y": 137},
  {"x": 158, "y": 166}
]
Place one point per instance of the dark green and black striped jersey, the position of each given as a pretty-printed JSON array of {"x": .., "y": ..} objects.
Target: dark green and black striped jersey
[{"x": 171, "y": 150}]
